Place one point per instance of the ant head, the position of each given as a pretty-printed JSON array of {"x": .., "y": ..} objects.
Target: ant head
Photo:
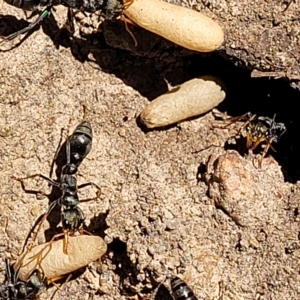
[
  {"x": 254, "y": 139},
  {"x": 37, "y": 282},
  {"x": 72, "y": 219}
]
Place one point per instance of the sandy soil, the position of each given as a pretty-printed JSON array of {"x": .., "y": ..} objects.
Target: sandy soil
[{"x": 173, "y": 201}]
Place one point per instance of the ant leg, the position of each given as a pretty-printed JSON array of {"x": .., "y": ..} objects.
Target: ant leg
[
  {"x": 52, "y": 281},
  {"x": 83, "y": 231},
  {"x": 38, "y": 257},
  {"x": 232, "y": 120},
  {"x": 126, "y": 21},
  {"x": 66, "y": 237},
  {"x": 66, "y": 241},
  {"x": 52, "y": 205},
  {"x": 40, "y": 226},
  {"x": 98, "y": 193},
  {"x": 269, "y": 142},
  {"x": 56, "y": 236},
  {"x": 29, "y": 244},
  {"x": 43, "y": 15},
  {"x": 50, "y": 242},
  {"x": 127, "y": 4},
  {"x": 88, "y": 184},
  {"x": 31, "y": 191},
  {"x": 273, "y": 149},
  {"x": 51, "y": 181}
]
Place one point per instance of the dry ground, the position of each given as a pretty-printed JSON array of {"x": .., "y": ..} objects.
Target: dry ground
[{"x": 173, "y": 200}]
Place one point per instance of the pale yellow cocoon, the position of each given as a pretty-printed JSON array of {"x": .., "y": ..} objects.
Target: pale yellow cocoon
[
  {"x": 183, "y": 26},
  {"x": 192, "y": 98},
  {"x": 82, "y": 250}
]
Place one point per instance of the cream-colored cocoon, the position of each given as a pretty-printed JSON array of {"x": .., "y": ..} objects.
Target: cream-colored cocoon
[
  {"x": 192, "y": 98},
  {"x": 51, "y": 260},
  {"x": 185, "y": 27}
]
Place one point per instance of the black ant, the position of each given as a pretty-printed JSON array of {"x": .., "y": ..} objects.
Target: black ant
[
  {"x": 258, "y": 130},
  {"x": 15, "y": 289},
  {"x": 78, "y": 146}
]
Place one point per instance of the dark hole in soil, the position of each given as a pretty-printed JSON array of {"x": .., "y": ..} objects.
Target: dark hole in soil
[{"x": 124, "y": 267}]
